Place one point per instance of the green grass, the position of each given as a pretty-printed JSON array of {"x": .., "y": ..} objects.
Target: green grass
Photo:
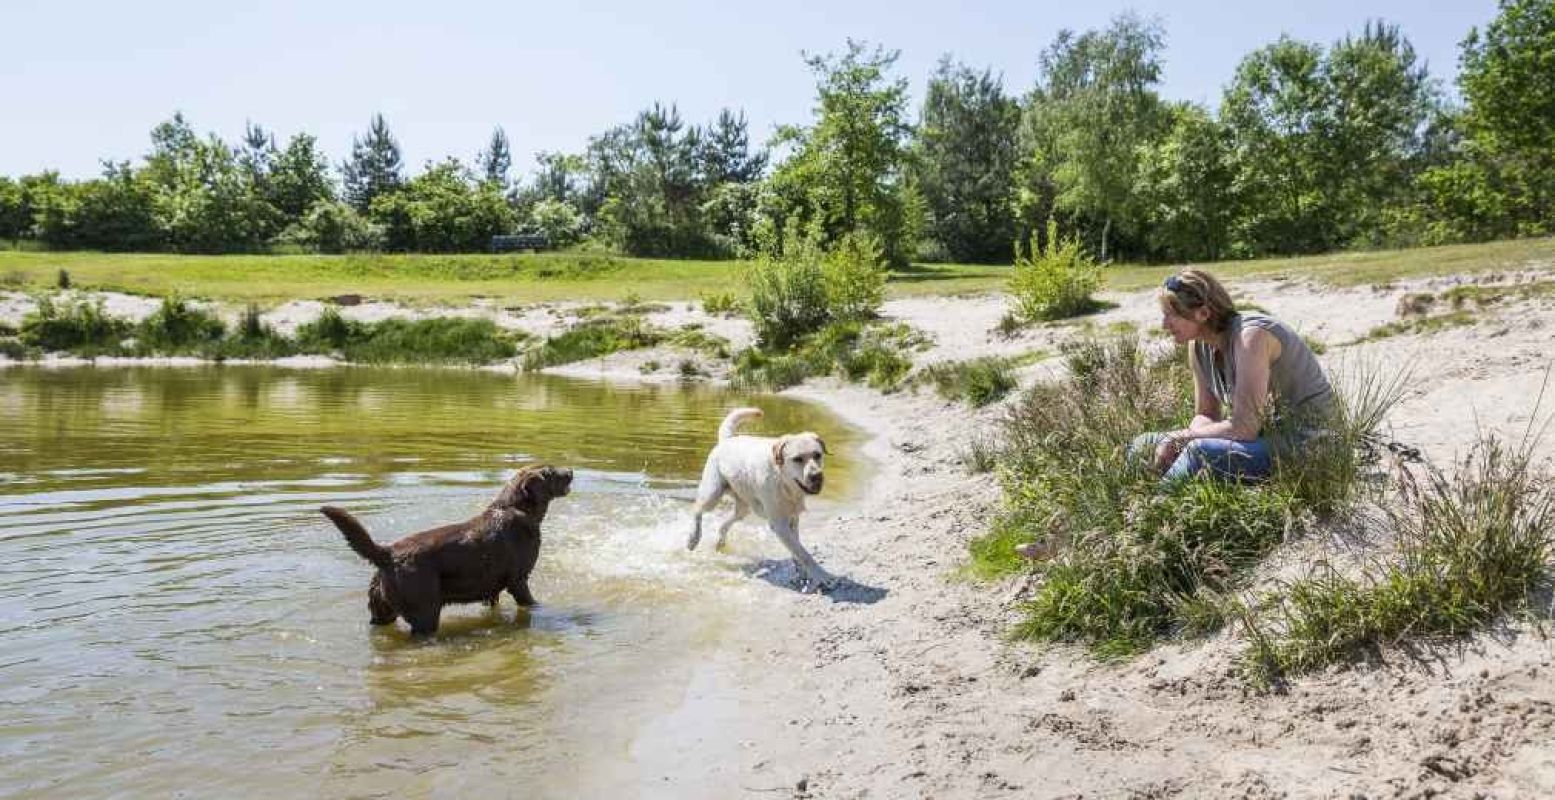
[
  {"x": 1420, "y": 325},
  {"x": 869, "y": 353},
  {"x": 595, "y": 337},
  {"x": 977, "y": 382},
  {"x": 1472, "y": 546},
  {"x": 551, "y": 277},
  {"x": 1138, "y": 560}
]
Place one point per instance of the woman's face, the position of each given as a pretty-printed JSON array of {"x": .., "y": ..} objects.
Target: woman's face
[{"x": 1186, "y": 329}]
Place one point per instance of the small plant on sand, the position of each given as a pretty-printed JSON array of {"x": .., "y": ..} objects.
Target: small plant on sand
[
  {"x": 1471, "y": 546},
  {"x": 719, "y": 303},
  {"x": 592, "y": 339},
  {"x": 978, "y": 382},
  {"x": 78, "y": 326},
  {"x": 179, "y": 327},
  {"x": 1054, "y": 282}
]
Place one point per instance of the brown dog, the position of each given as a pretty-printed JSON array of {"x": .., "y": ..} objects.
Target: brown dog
[{"x": 467, "y": 562}]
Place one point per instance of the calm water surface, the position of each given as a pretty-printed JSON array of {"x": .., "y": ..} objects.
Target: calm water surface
[{"x": 179, "y": 620}]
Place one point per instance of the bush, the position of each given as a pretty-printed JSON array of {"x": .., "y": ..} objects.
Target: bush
[
  {"x": 855, "y": 271},
  {"x": 1471, "y": 546},
  {"x": 1055, "y": 282},
  {"x": 804, "y": 287},
  {"x": 437, "y": 340},
  {"x": 978, "y": 382},
  {"x": 78, "y": 326},
  {"x": 591, "y": 339},
  {"x": 787, "y": 297},
  {"x": 720, "y": 303},
  {"x": 177, "y": 327},
  {"x": 329, "y": 333},
  {"x": 858, "y": 352},
  {"x": 254, "y": 339}
]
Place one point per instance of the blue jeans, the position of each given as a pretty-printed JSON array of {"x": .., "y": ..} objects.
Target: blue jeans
[{"x": 1226, "y": 459}]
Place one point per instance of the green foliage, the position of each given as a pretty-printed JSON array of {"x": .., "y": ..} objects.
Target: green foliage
[
  {"x": 1087, "y": 123},
  {"x": 1325, "y": 139},
  {"x": 1054, "y": 282},
  {"x": 720, "y": 303},
  {"x": 334, "y": 227},
  {"x": 177, "y": 327},
  {"x": 443, "y": 210},
  {"x": 978, "y": 382},
  {"x": 855, "y": 274},
  {"x": 788, "y": 298},
  {"x": 1188, "y": 186},
  {"x": 374, "y": 167},
  {"x": 871, "y": 354},
  {"x": 592, "y": 338},
  {"x": 964, "y": 160},
  {"x": 845, "y": 173},
  {"x": 79, "y": 326},
  {"x": 1471, "y": 545},
  {"x": 560, "y": 223}
]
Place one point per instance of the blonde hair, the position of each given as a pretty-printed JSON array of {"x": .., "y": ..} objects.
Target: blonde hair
[{"x": 1198, "y": 289}]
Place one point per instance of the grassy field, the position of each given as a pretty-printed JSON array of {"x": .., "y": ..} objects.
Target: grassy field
[{"x": 548, "y": 277}]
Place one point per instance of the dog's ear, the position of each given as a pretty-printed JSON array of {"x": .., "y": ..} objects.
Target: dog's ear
[
  {"x": 822, "y": 443},
  {"x": 523, "y": 490},
  {"x": 777, "y": 450}
]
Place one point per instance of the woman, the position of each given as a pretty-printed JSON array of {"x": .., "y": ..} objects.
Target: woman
[{"x": 1250, "y": 365}]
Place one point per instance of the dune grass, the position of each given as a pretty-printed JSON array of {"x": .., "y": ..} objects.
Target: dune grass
[
  {"x": 1138, "y": 561},
  {"x": 1470, "y": 546}
]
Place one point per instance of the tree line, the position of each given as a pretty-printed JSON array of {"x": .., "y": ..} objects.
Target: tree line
[{"x": 1313, "y": 148}]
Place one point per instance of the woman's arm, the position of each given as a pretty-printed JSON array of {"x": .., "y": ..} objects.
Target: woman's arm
[
  {"x": 1206, "y": 412},
  {"x": 1254, "y": 352}
]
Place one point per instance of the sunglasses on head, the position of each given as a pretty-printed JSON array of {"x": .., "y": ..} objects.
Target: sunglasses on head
[{"x": 1185, "y": 291}]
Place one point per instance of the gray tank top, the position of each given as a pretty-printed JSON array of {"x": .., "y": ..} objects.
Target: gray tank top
[{"x": 1296, "y": 380}]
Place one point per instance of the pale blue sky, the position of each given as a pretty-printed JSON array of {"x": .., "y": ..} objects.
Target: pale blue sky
[{"x": 81, "y": 81}]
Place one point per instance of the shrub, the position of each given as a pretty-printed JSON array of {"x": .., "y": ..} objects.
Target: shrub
[
  {"x": 1471, "y": 546},
  {"x": 787, "y": 297},
  {"x": 178, "y": 327},
  {"x": 855, "y": 272},
  {"x": 719, "y": 303},
  {"x": 78, "y": 326},
  {"x": 438, "y": 339},
  {"x": 63, "y": 280},
  {"x": 1054, "y": 282},
  {"x": 252, "y": 338},
  {"x": 978, "y": 382},
  {"x": 329, "y": 333},
  {"x": 591, "y": 339}
]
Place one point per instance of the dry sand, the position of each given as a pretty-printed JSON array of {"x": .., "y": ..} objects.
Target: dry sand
[{"x": 904, "y": 684}]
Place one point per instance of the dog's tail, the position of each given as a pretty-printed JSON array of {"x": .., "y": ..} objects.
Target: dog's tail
[
  {"x": 357, "y": 537},
  {"x": 734, "y": 419}
]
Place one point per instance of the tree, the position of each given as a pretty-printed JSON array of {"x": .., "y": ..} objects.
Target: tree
[
  {"x": 650, "y": 177},
  {"x": 374, "y": 166},
  {"x": 1186, "y": 184},
  {"x": 845, "y": 171},
  {"x": 726, "y": 155},
  {"x": 1323, "y": 141},
  {"x": 1093, "y": 109},
  {"x": 1508, "y": 79},
  {"x": 964, "y": 163},
  {"x": 496, "y": 160},
  {"x": 15, "y": 210},
  {"x": 443, "y": 210},
  {"x": 299, "y": 178},
  {"x": 204, "y": 199}
]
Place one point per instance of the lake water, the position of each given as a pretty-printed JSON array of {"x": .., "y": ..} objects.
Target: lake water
[{"x": 179, "y": 620}]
